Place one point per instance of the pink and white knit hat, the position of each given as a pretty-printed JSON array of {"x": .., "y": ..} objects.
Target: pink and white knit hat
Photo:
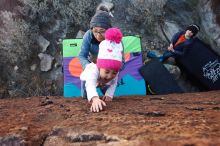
[{"x": 110, "y": 50}]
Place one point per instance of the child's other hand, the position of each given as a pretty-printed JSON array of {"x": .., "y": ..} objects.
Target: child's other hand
[
  {"x": 97, "y": 104},
  {"x": 106, "y": 98}
]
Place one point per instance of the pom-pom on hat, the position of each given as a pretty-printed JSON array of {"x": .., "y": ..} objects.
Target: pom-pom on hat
[
  {"x": 194, "y": 29},
  {"x": 113, "y": 34},
  {"x": 110, "y": 50}
]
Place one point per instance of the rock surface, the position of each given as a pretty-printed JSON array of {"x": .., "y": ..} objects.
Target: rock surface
[{"x": 191, "y": 119}]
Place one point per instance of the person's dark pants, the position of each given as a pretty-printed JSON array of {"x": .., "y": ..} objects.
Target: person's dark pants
[
  {"x": 84, "y": 93},
  {"x": 166, "y": 55}
]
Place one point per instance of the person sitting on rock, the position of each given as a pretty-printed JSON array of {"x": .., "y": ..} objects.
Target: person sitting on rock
[
  {"x": 103, "y": 74},
  {"x": 180, "y": 41}
]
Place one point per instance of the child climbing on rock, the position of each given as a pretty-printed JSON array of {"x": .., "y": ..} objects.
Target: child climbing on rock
[{"x": 104, "y": 73}]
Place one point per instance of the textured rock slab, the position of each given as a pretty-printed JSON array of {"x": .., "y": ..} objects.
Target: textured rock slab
[{"x": 174, "y": 120}]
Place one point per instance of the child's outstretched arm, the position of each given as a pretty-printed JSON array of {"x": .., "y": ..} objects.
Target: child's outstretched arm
[
  {"x": 111, "y": 90},
  {"x": 106, "y": 98},
  {"x": 97, "y": 104}
]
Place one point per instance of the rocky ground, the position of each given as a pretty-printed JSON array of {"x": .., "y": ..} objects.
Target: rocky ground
[{"x": 190, "y": 119}]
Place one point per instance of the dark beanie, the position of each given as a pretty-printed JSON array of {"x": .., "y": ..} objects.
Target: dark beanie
[
  {"x": 193, "y": 28},
  {"x": 101, "y": 19}
]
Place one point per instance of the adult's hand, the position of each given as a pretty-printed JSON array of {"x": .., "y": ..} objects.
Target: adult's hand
[{"x": 170, "y": 48}]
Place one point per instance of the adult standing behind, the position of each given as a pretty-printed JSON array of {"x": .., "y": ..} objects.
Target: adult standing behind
[{"x": 99, "y": 23}]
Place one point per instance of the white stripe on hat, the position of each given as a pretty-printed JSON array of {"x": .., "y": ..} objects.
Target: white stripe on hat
[{"x": 110, "y": 50}]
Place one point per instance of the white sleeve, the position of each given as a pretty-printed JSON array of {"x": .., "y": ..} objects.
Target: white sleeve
[
  {"x": 111, "y": 90},
  {"x": 90, "y": 75}
]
